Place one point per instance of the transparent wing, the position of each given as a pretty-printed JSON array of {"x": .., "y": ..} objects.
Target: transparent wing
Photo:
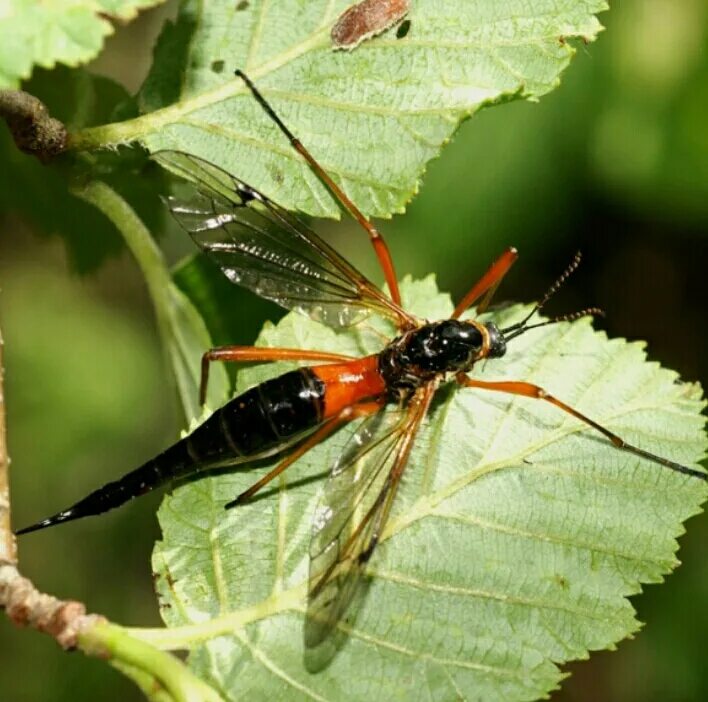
[
  {"x": 265, "y": 248},
  {"x": 353, "y": 511}
]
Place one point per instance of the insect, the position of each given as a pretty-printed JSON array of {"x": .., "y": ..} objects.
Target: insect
[
  {"x": 365, "y": 20},
  {"x": 265, "y": 248}
]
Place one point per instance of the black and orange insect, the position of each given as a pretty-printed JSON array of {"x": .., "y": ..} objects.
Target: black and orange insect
[{"x": 265, "y": 248}]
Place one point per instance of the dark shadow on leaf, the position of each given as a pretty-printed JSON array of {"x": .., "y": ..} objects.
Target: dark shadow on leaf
[
  {"x": 269, "y": 492},
  {"x": 319, "y": 657},
  {"x": 442, "y": 397},
  {"x": 163, "y": 85},
  {"x": 247, "y": 468}
]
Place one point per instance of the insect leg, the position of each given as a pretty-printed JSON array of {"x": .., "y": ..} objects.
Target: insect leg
[
  {"x": 347, "y": 415},
  {"x": 488, "y": 283},
  {"x": 380, "y": 247},
  {"x": 256, "y": 353},
  {"x": 538, "y": 393}
]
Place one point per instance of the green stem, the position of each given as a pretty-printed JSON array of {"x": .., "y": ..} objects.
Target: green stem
[
  {"x": 135, "y": 233},
  {"x": 137, "y": 128},
  {"x": 127, "y": 653},
  {"x": 150, "y": 687},
  {"x": 188, "y": 636},
  {"x": 173, "y": 311}
]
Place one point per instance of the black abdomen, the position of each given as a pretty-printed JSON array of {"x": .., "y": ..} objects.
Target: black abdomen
[
  {"x": 257, "y": 423},
  {"x": 260, "y": 419}
]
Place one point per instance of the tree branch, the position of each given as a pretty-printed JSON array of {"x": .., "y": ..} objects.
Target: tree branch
[
  {"x": 8, "y": 546},
  {"x": 24, "y": 604},
  {"x": 160, "y": 675},
  {"x": 34, "y": 130}
]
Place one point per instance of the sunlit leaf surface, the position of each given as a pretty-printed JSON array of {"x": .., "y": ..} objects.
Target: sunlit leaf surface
[
  {"x": 515, "y": 541},
  {"x": 373, "y": 116}
]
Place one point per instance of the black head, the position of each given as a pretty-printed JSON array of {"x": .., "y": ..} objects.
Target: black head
[{"x": 497, "y": 342}]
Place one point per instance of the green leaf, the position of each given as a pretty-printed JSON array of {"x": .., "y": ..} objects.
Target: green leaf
[
  {"x": 373, "y": 116},
  {"x": 515, "y": 540},
  {"x": 46, "y": 33}
]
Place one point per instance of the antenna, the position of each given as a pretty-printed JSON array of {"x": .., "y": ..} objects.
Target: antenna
[
  {"x": 570, "y": 317},
  {"x": 522, "y": 326}
]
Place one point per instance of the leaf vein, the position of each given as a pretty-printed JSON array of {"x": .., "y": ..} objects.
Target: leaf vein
[
  {"x": 268, "y": 663},
  {"x": 472, "y": 520},
  {"x": 378, "y": 642},
  {"x": 289, "y": 154},
  {"x": 256, "y": 34},
  {"x": 378, "y": 110},
  {"x": 401, "y": 579}
]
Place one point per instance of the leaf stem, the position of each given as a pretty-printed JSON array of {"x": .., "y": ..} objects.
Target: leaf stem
[
  {"x": 162, "y": 676},
  {"x": 142, "y": 662},
  {"x": 135, "y": 233},
  {"x": 149, "y": 686},
  {"x": 182, "y": 637},
  {"x": 183, "y": 332}
]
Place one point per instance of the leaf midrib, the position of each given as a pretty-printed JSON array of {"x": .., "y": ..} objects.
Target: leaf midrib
[
  {"x": 292, "y": 598},
  {"x": 131, "y": 130}
]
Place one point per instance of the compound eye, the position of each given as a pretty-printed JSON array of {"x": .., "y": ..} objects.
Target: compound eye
[{"x": 497, "y": 343}]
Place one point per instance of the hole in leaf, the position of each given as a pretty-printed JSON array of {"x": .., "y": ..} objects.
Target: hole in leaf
[{"x": 403, "y": 29}]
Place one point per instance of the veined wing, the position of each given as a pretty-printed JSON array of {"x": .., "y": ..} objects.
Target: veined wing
[
  {"x": 268, "y": 250},
  {"x": 353, "y": 511}
]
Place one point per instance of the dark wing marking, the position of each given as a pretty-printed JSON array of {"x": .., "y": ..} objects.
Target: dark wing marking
[
  {"x": 265, "y": 248},
  {"x": 353, "y": 512}
]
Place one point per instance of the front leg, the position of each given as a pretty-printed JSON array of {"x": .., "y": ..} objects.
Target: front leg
[{"x": 517, "y": 387}]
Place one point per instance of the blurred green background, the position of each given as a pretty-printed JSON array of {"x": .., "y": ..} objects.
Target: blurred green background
[{"x": 614, "y": 163}]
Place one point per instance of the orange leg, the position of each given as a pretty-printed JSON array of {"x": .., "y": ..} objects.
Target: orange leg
[
  {"x": 537, "y": 393},
  {"x": 377, "y": 241},
  {"x": 244, "y": 354},
  {"x": 331, "y": 425},
  {"x": 488, "y": 283}
]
